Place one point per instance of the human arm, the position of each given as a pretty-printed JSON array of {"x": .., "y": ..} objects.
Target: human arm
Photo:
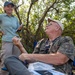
[
  {"x": 17, "y": 42},
  {"x": 65, "y": 52},
  {"x": 20, "y": 27},
  {"x": 55, "y": 59},
  {"x": 2, "y": 33},
  {"x": 1, "y": 30}
]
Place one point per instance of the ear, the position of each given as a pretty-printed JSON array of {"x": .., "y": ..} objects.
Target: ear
[{"x": 57, "y": 28}]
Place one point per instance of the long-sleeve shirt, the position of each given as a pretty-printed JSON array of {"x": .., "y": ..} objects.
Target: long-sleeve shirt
[{"x": 9, "y": 25}]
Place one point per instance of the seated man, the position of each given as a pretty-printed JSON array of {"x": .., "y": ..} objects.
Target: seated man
[{"x": 55, "y": 50}]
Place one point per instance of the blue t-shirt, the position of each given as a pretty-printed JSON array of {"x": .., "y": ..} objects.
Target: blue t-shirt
[{"x": 9, "y": 25}]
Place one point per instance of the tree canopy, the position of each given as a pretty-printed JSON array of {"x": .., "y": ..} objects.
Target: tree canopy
[{"x": 33, "y": 15}]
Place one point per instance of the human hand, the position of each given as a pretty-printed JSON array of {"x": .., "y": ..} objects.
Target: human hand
[
  {"x": 29, "y": 58},
  {"x": 20, "y": 27},
  {"x": 2, "y": 33},
  {"x": 16, "y": 41},
  {"x": 24, "y": 57}
]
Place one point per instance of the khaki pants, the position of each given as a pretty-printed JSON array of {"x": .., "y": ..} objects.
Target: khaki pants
[{"x": 8, "y": 49}]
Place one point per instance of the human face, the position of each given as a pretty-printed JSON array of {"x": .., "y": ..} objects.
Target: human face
[
  {"x": 51, "y": 27},
  {"x": 8, "y": 9}
]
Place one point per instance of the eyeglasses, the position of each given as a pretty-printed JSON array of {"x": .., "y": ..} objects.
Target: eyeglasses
[{"x": 49, "y": 24}]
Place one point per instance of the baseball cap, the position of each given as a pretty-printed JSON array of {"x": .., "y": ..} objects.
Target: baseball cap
[
  {"x": 59, "y": 23},
  {"x": 8, "y": 3}
]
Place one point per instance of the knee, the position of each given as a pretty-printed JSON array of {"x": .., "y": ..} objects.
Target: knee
[{"x": 9, "y": 60}]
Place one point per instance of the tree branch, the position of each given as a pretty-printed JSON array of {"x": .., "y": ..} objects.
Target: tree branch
[
  {"x": 17, "y": 13},
  {"x": 42, "y": 18}
]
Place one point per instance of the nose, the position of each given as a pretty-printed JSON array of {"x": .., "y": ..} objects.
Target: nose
[{"x": 47, "y": 25}]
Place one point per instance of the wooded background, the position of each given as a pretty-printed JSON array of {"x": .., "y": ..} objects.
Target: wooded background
[{"x": 33, "y": 15}]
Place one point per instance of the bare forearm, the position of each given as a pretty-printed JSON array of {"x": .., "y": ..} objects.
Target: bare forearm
[
  {"x": 16, "y": 41},
  {"x": 50, "y": 58},
  {"x": 22, "y": 49},
  {"x": 45, "y": 58}
]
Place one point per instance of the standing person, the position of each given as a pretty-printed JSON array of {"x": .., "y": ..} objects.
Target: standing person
[
  {"x": 56, "y": 50},
  {"x": 9, "y": 25}
]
